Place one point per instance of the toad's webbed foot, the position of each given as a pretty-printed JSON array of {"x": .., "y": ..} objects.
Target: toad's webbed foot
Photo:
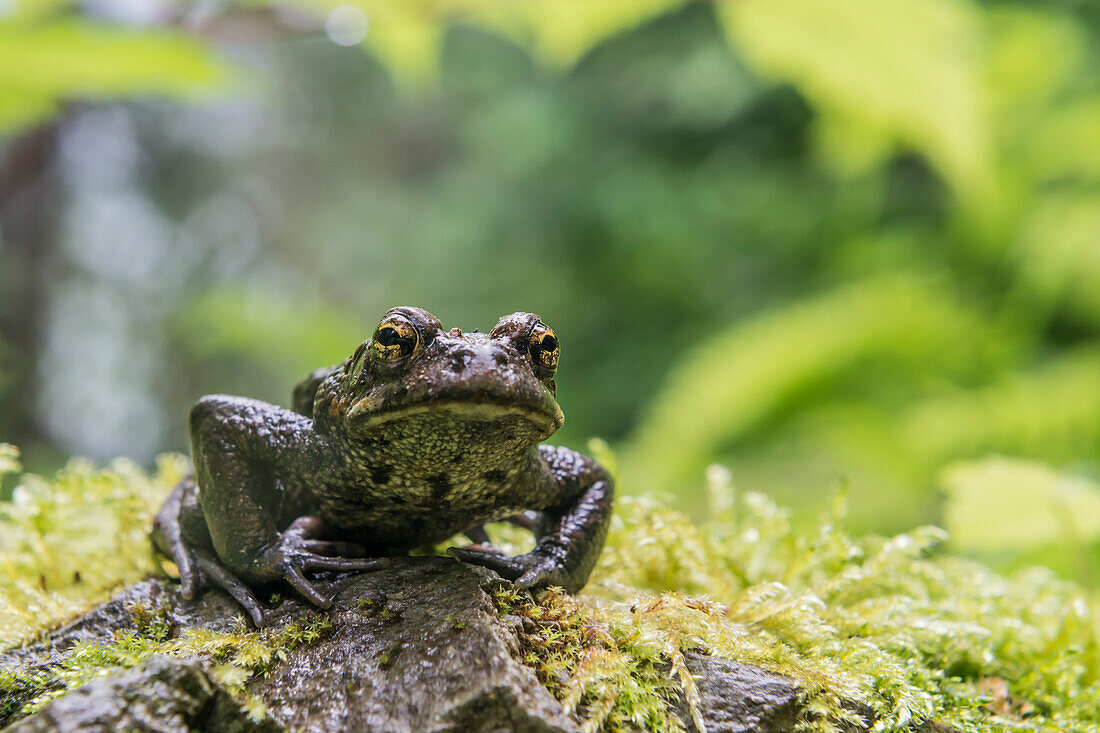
[
  {"x": 216, "y": 575},
  {"x": 532, "y": 570},
  {"x": 526, "y": 571},
  {"x": 569, "y": 539},
  {"x": 297, "y": 550}
]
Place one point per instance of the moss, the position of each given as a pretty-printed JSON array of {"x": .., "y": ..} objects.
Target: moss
[
  {"x": 608, "y": 675},
  {"x": 18, "y": 688},
  {"x": 895, "y": 627},
  {"x": 236, "y": 657},
  {"x": 67, "y": 542}
]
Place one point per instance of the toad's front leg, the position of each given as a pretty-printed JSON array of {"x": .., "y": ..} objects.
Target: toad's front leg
[
  {"x": 570, "y": 532},
  {"x": 241, "y": 449}
]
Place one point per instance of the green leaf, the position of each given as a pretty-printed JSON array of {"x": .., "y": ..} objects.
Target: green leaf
[
  {"x": 748, "y": 373},
  {"x": 44, "y": 64},
  {"x": 1049, "y": 410},
  {"x": 407, "y": 35},
  {"x": 9, "y": 459},
  {"x": 260, "y": 326},
  {"x": 905, "y": 72},
  {"x": 1011, "y": 503},
  {"x": 564, "y": 30},
  {"x": 1055, "y": 254}
]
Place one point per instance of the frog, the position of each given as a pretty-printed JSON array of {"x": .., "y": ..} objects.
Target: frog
[{"x": 421, "y": 435}]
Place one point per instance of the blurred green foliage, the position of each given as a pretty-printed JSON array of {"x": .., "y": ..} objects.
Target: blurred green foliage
[
  {"x": 48, "y": 57},
  {"x": 816, "y": 241}
]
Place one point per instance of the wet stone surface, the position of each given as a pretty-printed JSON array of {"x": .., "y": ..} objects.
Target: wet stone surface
[
  {"x": 737, "y": 698},
  {"x": 161, "y": 696},
  {"x": 418, "y": 648}
]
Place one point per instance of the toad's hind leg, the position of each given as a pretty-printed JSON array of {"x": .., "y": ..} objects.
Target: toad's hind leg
[
  {"x": 232, "y": 585},
  {"x": 179, "y": 532},
  {"x": 174, "y": 533}
]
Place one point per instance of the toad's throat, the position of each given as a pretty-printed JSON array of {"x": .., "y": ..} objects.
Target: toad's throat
[{"x": 546, "y": 418}]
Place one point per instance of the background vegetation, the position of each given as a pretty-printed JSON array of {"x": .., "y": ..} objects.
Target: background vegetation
[{"x": 819, "y": 242}]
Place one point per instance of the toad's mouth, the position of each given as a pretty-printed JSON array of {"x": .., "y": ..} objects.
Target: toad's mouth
[{"x": 546, "y": 416}]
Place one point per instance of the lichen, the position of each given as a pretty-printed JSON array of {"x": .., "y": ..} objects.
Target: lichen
[{"x": 896, "y": 629}]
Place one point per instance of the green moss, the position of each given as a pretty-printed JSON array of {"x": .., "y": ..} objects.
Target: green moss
[
  {"x": 67, "y": 542},
  {"x": 370, "y": 605},
  {"x": 611, "y": 677},
  {"x": 18, "y": 688},
  {"x": 236, "y": 657},
  {"x": 896, "y": 627}
]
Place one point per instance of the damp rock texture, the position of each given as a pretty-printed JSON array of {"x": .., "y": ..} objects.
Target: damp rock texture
[
  {"x": 737, "y": 698},
  {"x": 418, "y": 647},
  {"x": 415, "y": 647},
  {"x": 163, "y": 695}
]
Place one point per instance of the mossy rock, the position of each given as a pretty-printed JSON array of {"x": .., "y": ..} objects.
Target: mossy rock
[
  {"x": 419, "y": 646},
  {"x": 883, "y": 631}
]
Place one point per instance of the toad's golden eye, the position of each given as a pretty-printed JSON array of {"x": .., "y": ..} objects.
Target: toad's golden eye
[
  {"x": 394, "y": 339},
  {"x": 543, "y": 347}
]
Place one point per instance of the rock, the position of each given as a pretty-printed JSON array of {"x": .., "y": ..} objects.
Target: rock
[
  {"x": 737, "y": 698},
  {"x": 417, "y": 646},
  {"x": 211, "y": 610},
  {"x": 161, "y": 696}
]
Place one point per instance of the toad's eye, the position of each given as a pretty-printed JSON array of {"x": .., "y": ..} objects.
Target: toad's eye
[
  {"x": 543, "y": 347},
  {"x": 394, "y": 339}
]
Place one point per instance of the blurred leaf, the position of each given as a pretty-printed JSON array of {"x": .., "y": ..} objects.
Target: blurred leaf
[
  {"x": 1057, "y": 257},
  {"x": 1049, "y": 411},
  {"x": 747, "y": 373},
  {"x": 906, "y": 72},
  {"x": 891, "y": 441},
  {"x": 407, "y": 35},
  {"x": 44, "y": 64},
  {"x": 19, "y": 107},
  {"x": 1031, "y": 55},
  {"x": 1043, "y": 80},
  {"x": 9, "y": 459},
  {"x": 1067, "y": 143},
  {"x": 34, "y": 9},
  {"x": 261, "y": 326},
  {"x": 1010, "y": 503},
  {"x": 564, "y": 30},
  {"x": 672, "y": 73}
]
